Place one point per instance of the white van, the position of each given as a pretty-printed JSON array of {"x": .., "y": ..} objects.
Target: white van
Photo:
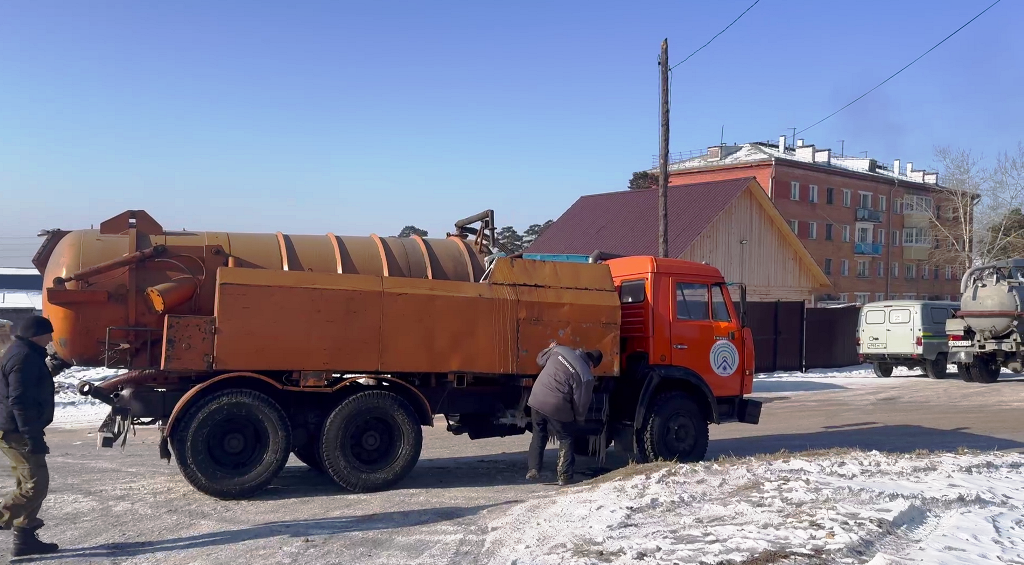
[{"x": 906, "y": 333}]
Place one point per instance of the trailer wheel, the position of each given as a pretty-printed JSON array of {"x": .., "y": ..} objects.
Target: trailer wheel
[
  {"x": 985, "y": 369},
  {"x": 882, "y": 370},
  {"x": 936, "y": 368},
  {"x": 371, "y": 441},
  {"x": 964, "y": 370},
  {"x": 675, "y": 429},
  {"x": 233, "y": 443}
]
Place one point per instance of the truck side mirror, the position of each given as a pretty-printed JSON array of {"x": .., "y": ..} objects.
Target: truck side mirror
[{"x": 743, "y": 306}]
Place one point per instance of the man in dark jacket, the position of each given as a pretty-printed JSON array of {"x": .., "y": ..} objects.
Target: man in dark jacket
[
  {"x": 559, "y": 400},
  {"x": 26, "y": 408}
]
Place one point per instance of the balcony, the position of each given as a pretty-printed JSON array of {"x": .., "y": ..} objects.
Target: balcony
[
  {"x": 869, "y": 215},
  {"x": 872, "y": 249}
]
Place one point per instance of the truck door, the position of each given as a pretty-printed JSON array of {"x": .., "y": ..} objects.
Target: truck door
[
  {"x": 705, "y": 338},
  {"x": 900, "y": 330},
  {"x": 873, "y": 334}
]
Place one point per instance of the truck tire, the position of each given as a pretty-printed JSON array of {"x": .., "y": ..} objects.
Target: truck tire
[
  {"x": 674, "y": 429},
  {"x": 985, "y": 370},
  {"x": 232, "y": 443},
  {"x": 371, "y": 441},
  {"x": 936, "y": 368},
  {"x": 964, "y": 370},
  {"x": 882, "y": 370}
]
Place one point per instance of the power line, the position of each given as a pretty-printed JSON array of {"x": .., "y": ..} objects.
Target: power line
[
  {"x": 901, "y": 70},
  {"x": 713, "y": 38}
]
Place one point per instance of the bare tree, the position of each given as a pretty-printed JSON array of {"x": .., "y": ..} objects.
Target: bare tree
[{"x": 976, "y": 217}]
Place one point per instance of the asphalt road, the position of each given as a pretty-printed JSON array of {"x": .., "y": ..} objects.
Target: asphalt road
[{"x": 106, "y": 506}]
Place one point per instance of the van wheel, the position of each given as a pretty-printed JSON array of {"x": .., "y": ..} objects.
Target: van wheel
[
  {"x": 233, "y": 443},
  {"x": 964, "y": 370},
  {"x": 371, "y": 441},
  {"x": 936, "y": 368},
  {"x": 882, "y": 370},
  {"x": 675, "y": 429},
  {"x": 985, "y": 369}
]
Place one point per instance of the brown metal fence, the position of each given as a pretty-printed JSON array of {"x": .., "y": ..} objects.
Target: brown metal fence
[{"x": 790, "y": 337}]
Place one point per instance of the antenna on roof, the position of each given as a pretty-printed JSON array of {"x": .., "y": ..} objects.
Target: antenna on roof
[{"x": 721, "y": 141}]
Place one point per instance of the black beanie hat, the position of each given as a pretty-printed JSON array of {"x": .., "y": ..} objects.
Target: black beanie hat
[
  {"x": 34, "y": 326},
  {"x": 595, "y": 357}
]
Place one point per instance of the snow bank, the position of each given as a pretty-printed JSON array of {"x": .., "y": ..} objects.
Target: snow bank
[
  {"x": 73, "y": 409},
  {"x": 851, "y": 508}
]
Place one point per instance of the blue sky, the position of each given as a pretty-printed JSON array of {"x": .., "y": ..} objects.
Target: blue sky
[{"x": 364, "y": 117}]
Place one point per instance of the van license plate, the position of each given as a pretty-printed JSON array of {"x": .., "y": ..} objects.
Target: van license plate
[
  {"x": 959, "y": 343},
  {"x": 876, "y": 346}
]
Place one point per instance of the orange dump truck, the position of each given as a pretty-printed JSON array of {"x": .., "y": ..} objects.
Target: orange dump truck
[{"x": 245, "y": 348}]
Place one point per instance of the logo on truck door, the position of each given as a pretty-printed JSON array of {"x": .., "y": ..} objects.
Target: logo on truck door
[{"x": 724, "y": 358}]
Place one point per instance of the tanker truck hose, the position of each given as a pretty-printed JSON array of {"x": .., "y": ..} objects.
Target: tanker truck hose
[{"x": 85, "y": 388}]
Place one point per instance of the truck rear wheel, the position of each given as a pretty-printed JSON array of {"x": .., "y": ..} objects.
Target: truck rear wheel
[
  {"x": 964, "y": 370},
  {"x": 936, "y": 368},
  {"x": 309, "y": 455},
  {"x": 675, "y": 429},
  {"x": 232, "y": 443},
  {"x": 882, "y": 370},
  {"x": 985, "y": 369},
  {"x": 371, "y": 441}
]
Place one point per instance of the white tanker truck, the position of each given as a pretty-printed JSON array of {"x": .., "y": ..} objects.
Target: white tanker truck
[{"x": 985, "y": 335}]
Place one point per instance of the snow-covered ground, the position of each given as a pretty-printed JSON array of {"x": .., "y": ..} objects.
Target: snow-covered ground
[
  {"x": 850, "y": 507},
  {"x": 73, "y": 409}
]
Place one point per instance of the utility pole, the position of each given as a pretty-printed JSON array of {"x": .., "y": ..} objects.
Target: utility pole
[
  {"x": 842, "y": 148},
  {"x": 663, "y": 161}
]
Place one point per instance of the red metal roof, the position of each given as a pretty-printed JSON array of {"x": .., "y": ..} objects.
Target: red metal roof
[{"x": 626, "y": 223}]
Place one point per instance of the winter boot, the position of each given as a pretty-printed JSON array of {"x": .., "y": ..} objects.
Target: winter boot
[
  {"x": 26, "y": 543},
  {"x": 532, "y": 475}
]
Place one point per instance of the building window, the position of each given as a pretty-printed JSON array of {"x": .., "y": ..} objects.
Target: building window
[
  {"x": 863, "y": 235},
  {"x": 924, "y": 274},
  {"x": 844, "y": 297},
  {"x": 949, "y": 273},
  {"x": 830, "y": 195},
  {"x": 813, "y": 196},
  {"x": 935, "y": 273},
  {"x": 844, "y": 267},
  {"x": 881, "y": 269},
  {"x": 794, "y": 191},
  {"x": 894, "y": 296},
  {"x": 828, "y": 232},
  {"x": 812, "y": 230},
  {"x": 879, "y": 296},
  {"x": 895, "y": 270},
  {"x": 947, "y": 298},
  {"x": 795, "y": 226},
  {"x": 916, "y": 236},
  {"x": 862, "y": 269},
  {"x": 865, "y": 200},
  {"x": 828, "y": 266},
  {"x": 846, "y": 198},
  {"x": 881, "y": 202},
  {"x": 909, "y": 296},
  {"x": 897, "y": 206},
  {"x": 862, "y": 298},
  {"x": 846, "y": 234},
  {"x": 895, "y": 238},
  {"x": 911, "y": 270},
  {"x": 881, "y": 237},
  {"x": 917, "y": 204}
]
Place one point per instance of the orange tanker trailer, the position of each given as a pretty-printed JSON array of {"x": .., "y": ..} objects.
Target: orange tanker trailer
[{"x": 244, "y": 348}]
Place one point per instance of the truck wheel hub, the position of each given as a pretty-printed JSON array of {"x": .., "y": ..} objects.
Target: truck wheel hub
[
  {"x": 234, "y": 443},
  {"x": 371, "y": 440}
]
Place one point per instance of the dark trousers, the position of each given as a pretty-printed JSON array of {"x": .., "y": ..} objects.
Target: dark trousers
[{"x": 562, "y": 431}]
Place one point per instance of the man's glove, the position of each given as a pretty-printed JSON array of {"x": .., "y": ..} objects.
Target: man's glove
[{"x": 37, "y": 445}]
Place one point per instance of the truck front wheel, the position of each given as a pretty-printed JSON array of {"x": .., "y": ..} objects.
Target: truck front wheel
[
  {"x": 233, "y": 443},
  {"x": 936, "y": 368},
  {"x": 985, "y": 369},
  {"x": 674, "y": 429},
  {"x": 371, "y": 441}
]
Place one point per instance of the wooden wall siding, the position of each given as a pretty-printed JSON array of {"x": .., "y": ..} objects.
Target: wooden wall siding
[{"x": 768, "y": 265}]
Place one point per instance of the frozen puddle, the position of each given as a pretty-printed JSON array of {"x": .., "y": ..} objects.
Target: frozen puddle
[{"x": 853, "y": 507}]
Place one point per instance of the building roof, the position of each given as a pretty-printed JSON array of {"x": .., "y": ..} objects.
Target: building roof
[
  {"x": 626, "y": 223},
  {"x": 20, "y": 300},
  {"x": 749, "y": 153},
  {"x": 19, "y": 271}
]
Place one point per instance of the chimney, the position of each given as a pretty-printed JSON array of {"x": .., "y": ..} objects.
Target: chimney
[
  {"x": 823, "y": 156},
  {"x": 910, "y": 167},
  {"x": 799, "y": 143},
  {"x": 714, "y": 153},
  {"x": 805, "y": 152},
  {"x": 782, "y": 143},
  {"x": 931, "y": 178},
  {"x": 896, "y": 167}
]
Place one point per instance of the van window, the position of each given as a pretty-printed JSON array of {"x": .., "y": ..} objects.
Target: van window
[
  {"x": 874, "y": 317},
  {"x": 901, "y": 316},
  {"x": 719, "y": 310},
  {"x": 940, "y": 315},
  {"x": 692, "y": 301},
  {"x": 633, "y": 292}
]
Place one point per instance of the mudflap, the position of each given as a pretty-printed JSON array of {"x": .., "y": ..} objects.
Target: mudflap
[
  {"x": 748, "y": 411},
  {"x": 165, "y": 451},
  {"x": 960, "y": 357},
  {"x": 114, "y": 427}
]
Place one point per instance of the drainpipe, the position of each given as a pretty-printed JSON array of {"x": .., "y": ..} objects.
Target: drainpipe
[{"x": 888, "y": 257}]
